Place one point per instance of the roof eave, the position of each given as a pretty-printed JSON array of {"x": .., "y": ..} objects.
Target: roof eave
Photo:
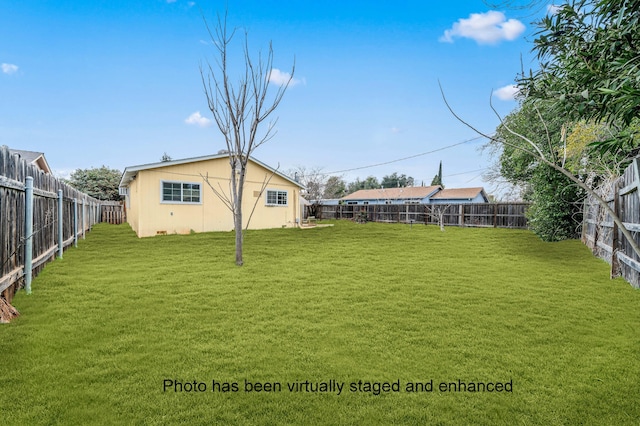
[{"x": 131, "y": 172}]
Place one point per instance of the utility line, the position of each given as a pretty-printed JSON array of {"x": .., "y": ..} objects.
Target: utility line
[{"x": 404, "y": 158}]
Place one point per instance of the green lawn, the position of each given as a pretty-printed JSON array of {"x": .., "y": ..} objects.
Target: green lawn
[{"x": 118, "y": 318}]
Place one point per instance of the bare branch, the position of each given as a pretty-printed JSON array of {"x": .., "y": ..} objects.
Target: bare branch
[{"x": 540, "y": 156}]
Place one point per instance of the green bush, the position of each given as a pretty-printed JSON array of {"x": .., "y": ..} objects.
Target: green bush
[{"x": 555, "y": 213}]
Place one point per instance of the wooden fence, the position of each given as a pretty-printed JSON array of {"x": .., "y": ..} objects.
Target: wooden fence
[
  {"x": 39, "y": 216},
  {"x": 602, "y": 235},
  {"x": 113, "y": 212},
  {"x": 497, "y": 215}
]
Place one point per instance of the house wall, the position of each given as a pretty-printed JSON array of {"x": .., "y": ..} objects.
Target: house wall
[
  {"x": 477, "y": 199},
  {"x": 149, "y": 215},
  {"x": 378, "y": 202}
]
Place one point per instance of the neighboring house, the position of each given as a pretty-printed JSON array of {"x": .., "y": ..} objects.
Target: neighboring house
[
  {"x": 416, "y": 195},
  {"x": 173, "y": 196},
  {"x": 460, "y": 196},
  {"x": 408, "y": 195},
  {"x": 326, "y": 201},
  {"x": 33, "y": 157}
]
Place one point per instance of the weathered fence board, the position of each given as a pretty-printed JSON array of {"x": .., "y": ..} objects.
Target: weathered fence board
[
  {"x": 60, "y": 214},
  {"x": 113, "y": 212},
  {"x": 498, "y": 215},
  {"x": 603, "y": 237}
]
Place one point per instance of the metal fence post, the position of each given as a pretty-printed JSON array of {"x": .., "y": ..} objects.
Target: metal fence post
[
  {"x": 28, "y": 233},
  {"x": 84, "y": 222},
  {"x": 75, "y": 222},
  {"x": 60, "y": 227}
]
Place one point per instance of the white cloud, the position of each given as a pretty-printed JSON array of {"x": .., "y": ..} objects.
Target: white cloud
[
  {"x": 396, "y": 130},
  {"x": 279, "y": 78},
  {"x": 484, "y": 28},
  {"x": 552, "y": 9},
  {"x": 63, "y": 173},
  {"x": 506, "y": 93},
  {"x": 198, "y": 120},
  {"x": 9, "y": 68}
]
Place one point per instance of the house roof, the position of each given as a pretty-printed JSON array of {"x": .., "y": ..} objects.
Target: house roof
[
  {"x": 132, "y": 171},
  {"x": 33, "y": 157},
  {"x": 411, "y": 192},
  {"x": 459, "y": 194}
]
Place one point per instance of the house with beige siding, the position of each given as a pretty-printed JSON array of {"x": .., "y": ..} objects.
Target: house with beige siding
[{"x": 173, "y": 197}]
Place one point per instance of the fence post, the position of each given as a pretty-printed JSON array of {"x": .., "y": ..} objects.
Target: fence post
[
  {"x": 75, "y": 222},
  {"x": 28, "y": 233},
  {"x": 461, "y": 213},
  {"x": 615, "y": 265},
  {"x": 84, "y": 222},
  {"x": 60, "y": 227}
]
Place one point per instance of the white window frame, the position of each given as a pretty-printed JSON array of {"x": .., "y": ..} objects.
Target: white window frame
[
  {"x": 278, "y": 195},
  {"x": 182, "y": 192}
]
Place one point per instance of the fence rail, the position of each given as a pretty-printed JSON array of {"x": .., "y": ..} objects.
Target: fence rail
[
  {"x": 602, "y": 235},
  {"x": 40, "y": 216},
  {"x": 497, "y": 215}
]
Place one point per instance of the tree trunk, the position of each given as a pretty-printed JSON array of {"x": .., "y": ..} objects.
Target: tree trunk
[
  {"x": 238, "y": 228},
  {"x": 237, "y": 217}
]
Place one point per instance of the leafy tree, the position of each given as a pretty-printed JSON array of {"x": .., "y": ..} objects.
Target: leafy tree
[
  {"x": 589, "y": 54},
  {"x": 555, "y": 213},
  {"x": 371, "y": 182},
  {"x": 396, "y": 181},
  {"x": 101, "y": 183},
  {"x": 437, "y": 179},
  {"x": 335, "y": 188}
]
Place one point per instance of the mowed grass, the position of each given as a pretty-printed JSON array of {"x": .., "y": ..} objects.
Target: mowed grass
[{"x": 109, "y": 323}]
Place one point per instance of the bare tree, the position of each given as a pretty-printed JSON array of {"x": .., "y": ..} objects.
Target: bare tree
[
  {"x": 439, "y": 210},
  {"x": 314, "y": 182},
  {"x": 239, "y": 110}
]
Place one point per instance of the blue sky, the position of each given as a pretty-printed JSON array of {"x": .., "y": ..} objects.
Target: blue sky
[{"x": 116, "y": 82}]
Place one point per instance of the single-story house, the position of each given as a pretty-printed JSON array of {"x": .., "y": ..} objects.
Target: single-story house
[
  {"x": 33, "y": 157},
  {"x": 460, "y": 196},
  {"x": 408, "y": 195},
  {"x": 416, "y": 195},
  {"x": 174, "y": 197}
]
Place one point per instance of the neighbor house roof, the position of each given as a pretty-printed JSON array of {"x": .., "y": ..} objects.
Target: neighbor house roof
[
  {"x": 33, "y": 157},
  {"x": 460, "y": 194},
  {"x": 131, "y": 172},
  {"x": 411, "y": 192}
]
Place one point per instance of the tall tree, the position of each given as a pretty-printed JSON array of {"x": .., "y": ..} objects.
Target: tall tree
[
  {"x": 437, "y": 179},
  {"x": 335, "y": 188},
  {"x": 396, "y": 181},
  {"x": 556, "y": 210},
  {"x": 101, "y": 183},
  {"x": 239, "y": 110},
  {"x": 371, "y": 182}
]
